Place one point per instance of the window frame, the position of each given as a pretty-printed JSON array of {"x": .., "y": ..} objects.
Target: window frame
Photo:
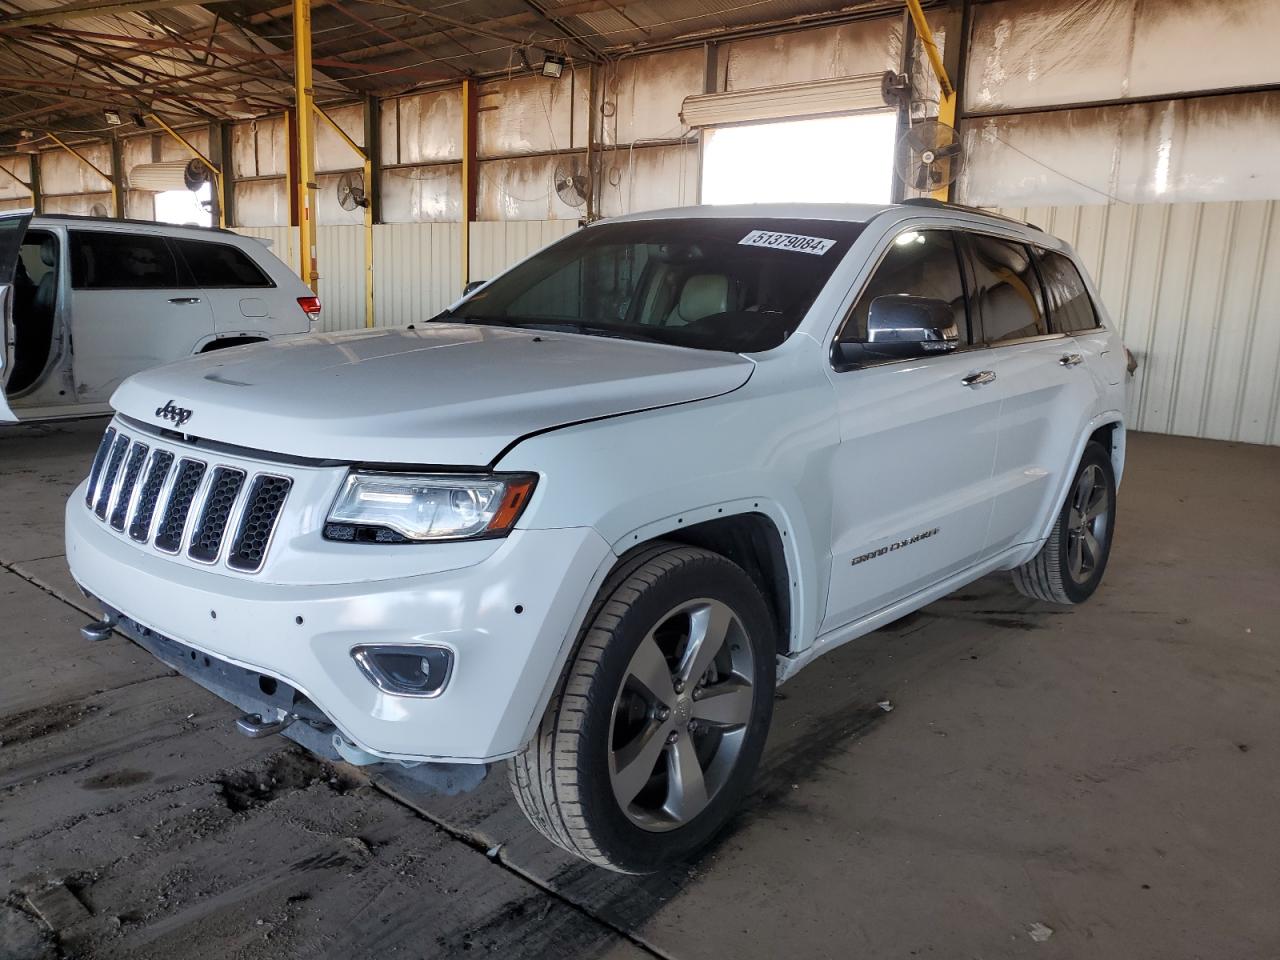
[
  {"x": 190, "y": 272},
  {"x": 1041, "y": 252},
  {"x": 183, "y": 278},
  {"x": 966, "y": 283}
]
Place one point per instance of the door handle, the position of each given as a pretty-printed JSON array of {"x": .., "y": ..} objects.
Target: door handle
[
  {"x": 185, "y": 300},
  {"x": 1071, "y": 359},
  {"x": 978, "y": 379}
]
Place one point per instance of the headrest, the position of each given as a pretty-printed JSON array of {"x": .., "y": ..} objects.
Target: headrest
[
  {"x": 49, "y": 252},
  {"x": 703, "y": 294}
]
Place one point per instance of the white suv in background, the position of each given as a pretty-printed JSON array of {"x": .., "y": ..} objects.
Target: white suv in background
[
  {"x": 585, "y": 519},
  {"x": 88, "y": 302}
]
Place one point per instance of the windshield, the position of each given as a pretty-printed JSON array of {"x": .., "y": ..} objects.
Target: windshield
[{"x": 740, "y": 285}]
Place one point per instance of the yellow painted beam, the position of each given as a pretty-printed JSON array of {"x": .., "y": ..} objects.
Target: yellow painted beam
[
  {"x": 947, "y": 103},
  {"x": 115, "y": 193},
  {"x": 468, "y": 174},
  {"x": 367, "y": 162},
  {"x": 304, "y": 118},
  {"x": 213, "y": 169}
]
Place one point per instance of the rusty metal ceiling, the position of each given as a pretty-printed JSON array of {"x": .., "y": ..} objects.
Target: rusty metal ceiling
[{"x": 63, "y": 62}]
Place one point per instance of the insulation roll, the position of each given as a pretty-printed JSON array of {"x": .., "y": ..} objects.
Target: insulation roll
[{"x": 168, "y": 175}]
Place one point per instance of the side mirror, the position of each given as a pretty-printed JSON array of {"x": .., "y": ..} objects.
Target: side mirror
[
  {"x": 473, "y": 285},
  {"x": 927, "y": 324}
]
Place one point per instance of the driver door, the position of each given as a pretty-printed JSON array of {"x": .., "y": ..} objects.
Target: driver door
[
  {"x": 911, "y": 479},
  {"x": 13, "y": 226}
]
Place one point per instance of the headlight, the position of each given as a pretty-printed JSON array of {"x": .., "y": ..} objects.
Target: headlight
[{"x": 412, "y": 508}]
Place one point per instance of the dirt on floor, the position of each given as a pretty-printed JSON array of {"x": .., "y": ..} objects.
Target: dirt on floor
[{"x": 1098, "y": 781}]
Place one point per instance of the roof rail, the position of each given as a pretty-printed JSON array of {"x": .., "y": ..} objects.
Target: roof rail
[
  {"x": 944, "y": 205},
  {"x": 82, "y": 218}
]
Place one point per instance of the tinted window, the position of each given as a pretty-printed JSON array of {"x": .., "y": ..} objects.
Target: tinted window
[
  {"x": 1070, "y": 307},
  {"x": 121, "y": 261},
  {"x": 220, "y": 265},
  {"x": 716, "y": 284},
  {"x": 1007, "y": 290}
]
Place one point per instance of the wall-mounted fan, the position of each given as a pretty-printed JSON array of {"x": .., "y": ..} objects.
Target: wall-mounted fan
[
  {"x": 929, "y": 156},
  {"x": 571, "y": 182},
  {"x": 99, "y": 210},
  {"x": 196, "y": 175},
  {"x": 351, "y": 191}
]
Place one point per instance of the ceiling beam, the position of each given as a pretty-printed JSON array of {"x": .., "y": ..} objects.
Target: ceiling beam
[{"x": 78, "y": 11}]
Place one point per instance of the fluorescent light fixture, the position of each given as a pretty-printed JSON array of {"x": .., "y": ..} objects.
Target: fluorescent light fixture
[{"x": 552, "y": 66}]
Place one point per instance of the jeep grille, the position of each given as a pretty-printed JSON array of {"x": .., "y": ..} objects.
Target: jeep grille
[{"x": 170, "y": 500}]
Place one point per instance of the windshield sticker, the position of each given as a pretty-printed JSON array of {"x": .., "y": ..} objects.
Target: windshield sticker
[{"x": 794, "y": 242}]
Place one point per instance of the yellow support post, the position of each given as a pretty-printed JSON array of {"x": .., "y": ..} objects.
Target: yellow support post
[
  {"x": 367, "y": 163},
  {"x": 304, "y": 117},
  {"x": 115, "y": 193},
  {"x": 947, "y": 104},
  {"x": 213, "y": 170},
  {"x": 468, "y": 174}
]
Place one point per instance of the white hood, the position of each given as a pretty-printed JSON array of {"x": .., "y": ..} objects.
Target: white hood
[{"x": 446, "y": 394}]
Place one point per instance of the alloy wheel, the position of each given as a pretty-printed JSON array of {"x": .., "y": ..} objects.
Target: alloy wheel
[
  {"x": 680, "y": 715},
  {"x": 1087, "y": 523}
]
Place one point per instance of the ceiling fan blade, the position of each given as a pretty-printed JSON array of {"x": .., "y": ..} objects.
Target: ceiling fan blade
[
  {"x": 948, "y": 149},
  {"x": 922, "y": 177}
]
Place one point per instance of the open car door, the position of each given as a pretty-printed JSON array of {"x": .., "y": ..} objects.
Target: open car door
[{"x": 13, "y": 227}]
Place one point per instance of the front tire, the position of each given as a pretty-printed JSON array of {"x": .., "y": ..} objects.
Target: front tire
[
  {"x": 1071, "y": 563},
  {"x": 649, "y": 744}
]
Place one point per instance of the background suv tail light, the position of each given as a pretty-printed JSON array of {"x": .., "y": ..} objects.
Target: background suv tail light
[{"x": 311, "y": 307}]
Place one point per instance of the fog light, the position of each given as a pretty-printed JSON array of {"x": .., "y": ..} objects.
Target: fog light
[{"x": 405, "y": 670}]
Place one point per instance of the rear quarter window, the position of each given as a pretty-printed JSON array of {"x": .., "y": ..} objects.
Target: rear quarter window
[
  {"x": 1070, "y": 306},
  {"x": 220, "y": 265}
]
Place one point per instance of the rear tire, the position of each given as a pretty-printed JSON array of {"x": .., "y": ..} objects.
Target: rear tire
[
  {"x": 1071, "y": 563},
  {"x": 651, "y": 739}
]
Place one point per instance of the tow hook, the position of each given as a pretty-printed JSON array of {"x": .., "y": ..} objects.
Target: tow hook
[
  {"x": 100, "y": 629},
  {"x": 252, "y": 725}
]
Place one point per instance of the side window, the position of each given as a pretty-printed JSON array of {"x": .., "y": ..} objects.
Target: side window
[
  {"x": 920, "y": 270},
  {"x": 1070, "y": 307},
  {"x": 1006, "y": 290},
  {"x": 220, "y": 265},
  {"x": 121, "y": 261}
]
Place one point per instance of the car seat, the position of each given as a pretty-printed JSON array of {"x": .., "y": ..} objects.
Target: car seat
[{"x": 702, "y": 295}]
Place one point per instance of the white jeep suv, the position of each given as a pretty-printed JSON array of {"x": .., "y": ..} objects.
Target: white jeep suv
[
  {"x": 86, "y": 302},
  {"x": 586, "y": 519}
]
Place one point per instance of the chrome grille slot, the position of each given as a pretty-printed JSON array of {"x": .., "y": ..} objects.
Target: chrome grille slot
[
  {"x": 261, "y": 513},
  {"x": 109, "y": 473},
  {"x": 224, "y": 488},
  {"x": 174, "y": 521},
  {"x": 132, "y": 468},
  {"x": 99, "y": 459},
  {"x": 149, "y": 496}
]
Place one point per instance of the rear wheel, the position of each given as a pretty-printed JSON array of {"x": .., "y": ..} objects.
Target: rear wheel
[
  {"x": 1071, "y": 563},
  {"x": 651, "y": 741}
]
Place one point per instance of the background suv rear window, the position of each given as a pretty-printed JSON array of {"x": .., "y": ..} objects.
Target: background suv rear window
[{"x": 220, "y": 265}]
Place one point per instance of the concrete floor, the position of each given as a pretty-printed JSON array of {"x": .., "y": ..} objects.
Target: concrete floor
[{"x": 1110, "y": 772}]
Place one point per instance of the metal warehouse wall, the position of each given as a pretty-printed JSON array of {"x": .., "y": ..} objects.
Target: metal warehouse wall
[
  {"x": 1194, "y": 289},
  {"x": 417, "y": 266}
]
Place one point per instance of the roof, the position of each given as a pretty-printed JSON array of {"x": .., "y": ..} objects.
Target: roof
[
  {"x": 62, "y": 62},
  {"x": 851, "y": 212},
  {"x": 78, "y": 220}
]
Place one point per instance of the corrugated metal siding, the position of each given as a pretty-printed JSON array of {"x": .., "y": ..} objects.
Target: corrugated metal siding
[
  {"x": 417, "y": 266},
  {"x": 496, "y": 245},
  {"x": 1194, "y": 290},
  {"x": 417, "y": 270}
]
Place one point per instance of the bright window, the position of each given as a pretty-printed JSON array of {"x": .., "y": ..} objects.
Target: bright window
[
  {"x": 825, "y": 160},
  {"x": 184, "y": 206}
]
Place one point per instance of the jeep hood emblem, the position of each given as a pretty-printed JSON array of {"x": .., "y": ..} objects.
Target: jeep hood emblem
[{"x": 179, "y": 415}]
